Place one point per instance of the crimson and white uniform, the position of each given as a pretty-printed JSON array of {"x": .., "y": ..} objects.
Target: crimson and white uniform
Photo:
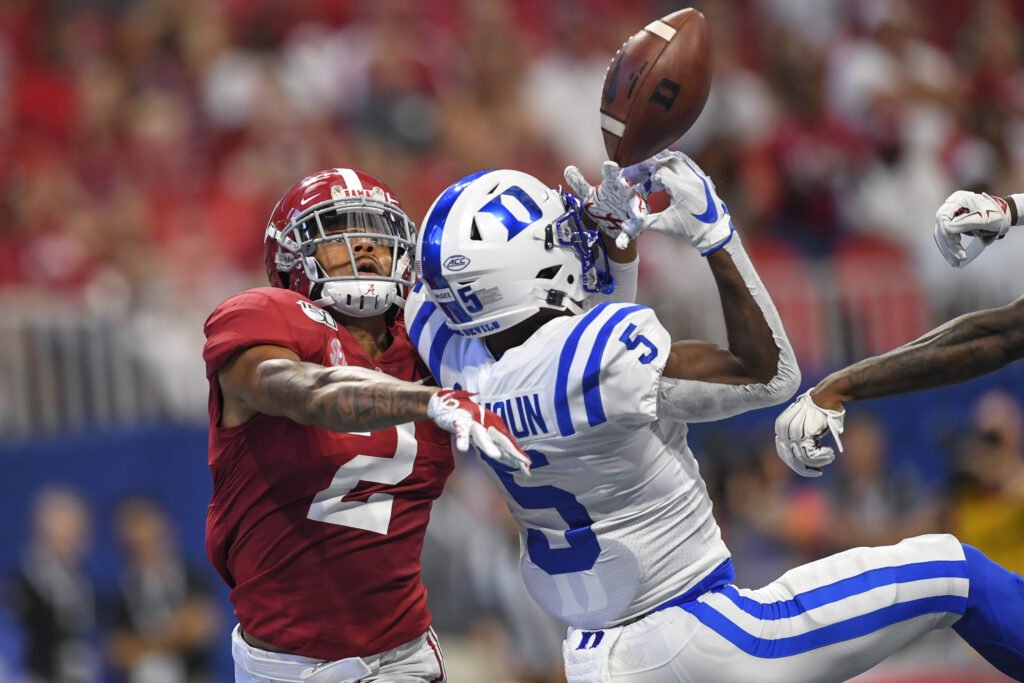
[{"x": 319, "y": 533}]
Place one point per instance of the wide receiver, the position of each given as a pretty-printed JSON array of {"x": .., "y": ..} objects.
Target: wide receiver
[
  {"x": 963, "y": 348},
  {"x": 617, "y": 533},
  {"x": 325, "y": 448}
]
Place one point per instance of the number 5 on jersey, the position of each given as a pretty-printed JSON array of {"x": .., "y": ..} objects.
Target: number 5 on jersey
[{"x": 637, "y": 340}]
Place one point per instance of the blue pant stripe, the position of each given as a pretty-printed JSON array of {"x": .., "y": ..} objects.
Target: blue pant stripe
[
  {"x": 830, "y": 634},
  {"x": 839, "y": 590}
]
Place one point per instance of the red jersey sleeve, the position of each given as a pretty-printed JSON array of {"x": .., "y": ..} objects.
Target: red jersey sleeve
[{"x": 267, "y": 315}]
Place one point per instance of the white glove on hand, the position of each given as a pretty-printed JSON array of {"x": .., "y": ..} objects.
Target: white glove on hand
[
  {"x": 473, "y": 425},
  {"x": 695, "y": 215},
  {"x": 980, "y": 216},
  {"x": 611, "y": 205},
  {"x": 798, "y": 433}
]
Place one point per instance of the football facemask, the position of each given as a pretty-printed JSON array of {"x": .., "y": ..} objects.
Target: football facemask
[{"x": 359, "y": 214}]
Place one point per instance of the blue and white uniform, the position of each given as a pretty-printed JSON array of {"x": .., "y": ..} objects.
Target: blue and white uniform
[
  {"x": 617, "y": 534},
  {"x": 615, "y": 518},
  {"x": 615, "y": 522}
]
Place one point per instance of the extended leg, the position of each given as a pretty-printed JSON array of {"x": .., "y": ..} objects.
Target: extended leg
[{"x": 993, "y": 623}]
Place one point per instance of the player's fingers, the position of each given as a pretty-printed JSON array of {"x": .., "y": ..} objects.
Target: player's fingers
[
  {"x": 512, "y": 455},
  {"x": 640, "y": 177},
  {"x": 575, "y": 180},
  {"x": 801, "y": 422},
  {"x": 462, "y": 427},
  {"x": 948, "y": 210},
  {"x": 783, "y": 421},
  {"x": 609, "y": 174},
  {"x": 790, "y": 453},
  {"x": 819, "y": 456},
  {"x": 637, "y": 174},
  {"x": 799, "y": 455},
  {"x": 483, "y": 441},
  {"x": 949, "y": 245},
  {"x": 661, "y": 222}
]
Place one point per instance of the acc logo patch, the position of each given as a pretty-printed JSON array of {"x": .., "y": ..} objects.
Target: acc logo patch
[
  {"x": 337, "y": 356},
  {"x": 456, "y": 262},
  {"x": 318, "y": 315}
]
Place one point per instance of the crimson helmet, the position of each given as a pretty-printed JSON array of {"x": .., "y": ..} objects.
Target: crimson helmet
[{"x": 344, "y": 206}]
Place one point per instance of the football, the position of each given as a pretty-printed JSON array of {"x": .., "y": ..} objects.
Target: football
[{"x": 656, "y": 86}]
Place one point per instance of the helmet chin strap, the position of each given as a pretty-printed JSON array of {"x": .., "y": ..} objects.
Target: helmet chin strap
[
  {"x": 566, "y": 303},
  {"x": 572, "y": 306}
]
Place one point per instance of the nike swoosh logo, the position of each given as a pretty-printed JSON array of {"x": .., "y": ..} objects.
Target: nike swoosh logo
[
  {"x": 609, "y": 94},
  {"x": 305, "y": 200},
  {"x": 710, "y": 214}
]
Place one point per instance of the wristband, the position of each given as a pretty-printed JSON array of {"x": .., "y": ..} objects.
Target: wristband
[
  {"x": 1018, "y": 202},
  {"x": 721, "y": 244}
]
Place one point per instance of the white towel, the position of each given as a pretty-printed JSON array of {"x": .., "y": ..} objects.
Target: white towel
[{"x": 586, "y": 654}]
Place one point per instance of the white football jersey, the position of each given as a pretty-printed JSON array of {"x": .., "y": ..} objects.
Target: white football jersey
[{"x": 614, "y": 519}]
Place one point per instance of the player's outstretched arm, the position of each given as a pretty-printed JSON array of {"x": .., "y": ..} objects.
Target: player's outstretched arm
[
  {"x": 703, "y": 381},
  {"x": 273, "y": 380},
  {"x": 972, "y": 345},
  {"x": 964, "y": 348}
]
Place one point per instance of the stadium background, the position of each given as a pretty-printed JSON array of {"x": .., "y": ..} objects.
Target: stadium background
[{"x": 143, "y": 144}]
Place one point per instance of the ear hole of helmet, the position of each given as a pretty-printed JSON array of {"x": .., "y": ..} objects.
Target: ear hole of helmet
[{"x": 549, "y": 273}]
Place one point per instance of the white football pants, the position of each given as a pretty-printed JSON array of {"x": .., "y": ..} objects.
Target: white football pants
[
  {"x": 418, "y": 661},
  {"x": 828, "y": 620}
]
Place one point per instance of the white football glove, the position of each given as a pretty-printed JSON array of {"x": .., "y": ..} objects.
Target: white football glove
[
  {"x": 611, "y": 205},
  {"x": 695, "y": 215},
  {"x": 455, "y": 411},
  {"x": 977, "y": 215},
  {"x": 798, "y": 433}
]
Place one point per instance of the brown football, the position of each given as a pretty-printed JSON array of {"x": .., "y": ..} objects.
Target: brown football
[{"x": 656, "y": 86}]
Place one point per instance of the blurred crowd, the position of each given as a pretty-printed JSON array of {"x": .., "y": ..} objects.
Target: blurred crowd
[
  {"x": 145, "y": 141},
  {"x": 143, "y": 144},
  {"x": 156, "y": 625}
]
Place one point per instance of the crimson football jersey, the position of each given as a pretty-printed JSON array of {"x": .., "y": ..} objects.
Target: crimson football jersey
[{"x": 319, "y": 533}]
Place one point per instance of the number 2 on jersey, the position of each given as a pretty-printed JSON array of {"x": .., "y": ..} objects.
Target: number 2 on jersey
[
  {"x": 583, "y": 549},
  {"x": 374, "y": 513}
]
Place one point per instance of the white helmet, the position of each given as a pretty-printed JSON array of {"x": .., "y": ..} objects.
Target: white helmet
[{"x": 498, "y": 246}]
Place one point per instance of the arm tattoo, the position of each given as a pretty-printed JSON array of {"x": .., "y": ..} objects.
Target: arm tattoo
[
  {"x": 340, "y": 399},
  {"x": 962, "y": 349}
]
